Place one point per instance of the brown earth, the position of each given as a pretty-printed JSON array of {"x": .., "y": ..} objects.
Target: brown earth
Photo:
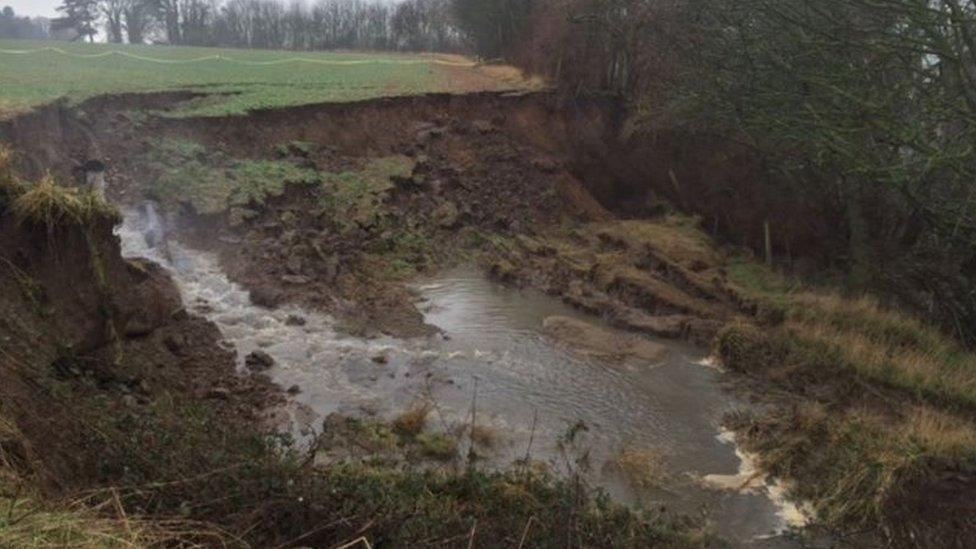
[
  {"x": 519, "y": 183},
  {"x": 492, "y": 180},
  {"x": 69, "y": 337}
]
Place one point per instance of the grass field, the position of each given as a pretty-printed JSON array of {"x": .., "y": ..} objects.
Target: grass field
[{"x": 253, "y": 78}]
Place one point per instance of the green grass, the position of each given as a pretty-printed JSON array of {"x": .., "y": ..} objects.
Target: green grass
[
  {"x": 355, "y": 197},
  {"x": 211, "y": 183},
  {"x": 35, "y": 79}
]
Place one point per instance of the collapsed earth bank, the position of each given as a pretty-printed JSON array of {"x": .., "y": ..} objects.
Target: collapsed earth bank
[{"x": 338, "y": 207}]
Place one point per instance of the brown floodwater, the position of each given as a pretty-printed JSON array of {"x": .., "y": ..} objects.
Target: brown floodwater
[{"x": 648, "y": 434}]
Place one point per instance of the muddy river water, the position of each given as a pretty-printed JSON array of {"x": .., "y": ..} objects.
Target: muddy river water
[{"x": 652, "y": 432}]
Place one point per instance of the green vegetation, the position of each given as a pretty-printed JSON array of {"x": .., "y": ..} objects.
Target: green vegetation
[
  {"x": 191, "y": 475},
  {"x": 354, "y": 198},
  {"x": 296, "y": 148},
  {"x": 38, "y": 78},
  {"x": 437, "y": 446},
  {"x": 213, "y": 183}
]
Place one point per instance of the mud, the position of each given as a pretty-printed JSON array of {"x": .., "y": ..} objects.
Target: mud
[
  {"x": 75, "y": 313},
  {"x": 492, "y": 180}
]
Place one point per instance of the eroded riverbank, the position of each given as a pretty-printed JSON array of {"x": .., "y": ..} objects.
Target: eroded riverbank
[
  {"x": 647, "y": 431},
  {"x": 328, "y": 235}
]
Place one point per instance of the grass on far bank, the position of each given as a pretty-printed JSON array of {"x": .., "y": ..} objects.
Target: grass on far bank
[
  {"x": 875, "y": 412},
  {"x": 881, "y": 345}
]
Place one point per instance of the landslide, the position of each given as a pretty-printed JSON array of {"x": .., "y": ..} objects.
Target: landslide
[
  {"x": 339, "y": 207},
  {"x": 122, "y": 416}
]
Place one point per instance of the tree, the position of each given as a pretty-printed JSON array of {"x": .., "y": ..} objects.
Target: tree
[
  {"x": 79, "y": 16},
  {"x": 13, "y": 26},
  {"x": 136, "y": 19},
  {"x": 113, "y": 11},
  {"x": 492, "y": 26}
]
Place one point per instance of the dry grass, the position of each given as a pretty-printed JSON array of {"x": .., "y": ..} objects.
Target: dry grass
[
  {"x": 644, "y": 466},
  {"x": 10, "y": 186},
  {"x": 880, "y": 344},
  {"x": 29, "y": 521},
  {"x": 513, "y": 77},
  {"x": 49, "y": 204},
  {"x": 950, "y": 378},
  {"x": 676, "y": 237},
  {"x": 879, "y": 419},
  {"x": 940, "y": 434},
  {"x": 412, "y": 422},
  {"x": 484, "y": 436}
]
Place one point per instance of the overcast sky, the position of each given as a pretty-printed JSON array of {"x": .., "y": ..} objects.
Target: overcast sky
[{"x": 32, "y": 7}]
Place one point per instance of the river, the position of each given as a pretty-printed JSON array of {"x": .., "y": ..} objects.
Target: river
[{"x": 652, "y": 433}]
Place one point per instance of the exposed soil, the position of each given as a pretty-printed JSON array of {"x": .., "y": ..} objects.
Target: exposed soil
[
  {"x": 127, "y": 341},
  {"x": 492, "y": 179},
  {"x": 520, "y": 183}
]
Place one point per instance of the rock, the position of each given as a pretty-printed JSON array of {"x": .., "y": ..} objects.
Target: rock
[
  {"x": 294, "y": 390},
  {"x": 237, "y": 216},
  {"x": 258, "y": 361},
  {"x": 288, "y": 218},
  {"x": 138, "y": 325},
  {"x": 175, "y": 343},
  {"x": 230, "y": 239},
  {"x": 546, "y": 165},
  {"x": 220, "y": 393},
  {"x": 295, "y": 320},
  {"x": 381, "y": 359},
  {"x": 266, "y": 296},
  {"x": 483, "y": 126},
  {"x": 446, "y": 215},
  {"x": 139, "y": 269},
  {"x": 599, "y": 342},
  {"x": 294, "y": 264},
  {"x": 297, "y": 280}
]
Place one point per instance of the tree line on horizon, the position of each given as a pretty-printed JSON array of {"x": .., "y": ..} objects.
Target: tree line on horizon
[
  {"x": 482, "y": 27},
  {"x": 17, "y": 26},
  {"x": 456, "y": 26}
]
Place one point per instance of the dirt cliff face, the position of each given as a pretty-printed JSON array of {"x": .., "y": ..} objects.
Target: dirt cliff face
[{"x": 80, "y": 324}]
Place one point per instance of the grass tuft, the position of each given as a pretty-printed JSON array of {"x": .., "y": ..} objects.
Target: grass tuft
[
  {"x": 412, "y": 422},
  {"x": 644, "y": 466},
  {"x": 48, "y": 204},
  {"x": 437, "y": 446}
]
